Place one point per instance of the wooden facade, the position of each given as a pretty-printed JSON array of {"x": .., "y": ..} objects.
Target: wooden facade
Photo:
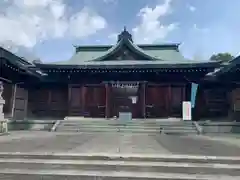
[
  {"x": 104, "y": 100},
  {"x": 125, "y": 78}
]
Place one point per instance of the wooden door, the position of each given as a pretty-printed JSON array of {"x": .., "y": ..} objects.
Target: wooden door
[
  {"x": 57, "y": 102},
  {"x": 38, "y": 103},
  {"x": 177, "y": 96},
  {"x": 20, "y": 103},
  {"x": 122, "y": 101},
  {"x": 75, "y": 101},
  {"x": 7, "y": 95},
  {"x": 217, "y": 102},
  {"x": 96, "y": 100},
  {"x": 156, "y": 101}
]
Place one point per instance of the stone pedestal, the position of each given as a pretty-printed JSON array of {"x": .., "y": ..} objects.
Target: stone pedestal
[{"x": 3, "y": 121}]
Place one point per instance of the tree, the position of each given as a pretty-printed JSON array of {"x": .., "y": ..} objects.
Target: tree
[{"x": 224, "y": 57}]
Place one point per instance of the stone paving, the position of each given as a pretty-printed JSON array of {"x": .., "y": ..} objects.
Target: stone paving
[{"x": 115, "y": 143}]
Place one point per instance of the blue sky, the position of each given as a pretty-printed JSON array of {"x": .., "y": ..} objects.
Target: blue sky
[{"x": 48, "y": 29}]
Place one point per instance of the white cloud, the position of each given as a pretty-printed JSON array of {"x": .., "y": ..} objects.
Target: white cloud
[
  {"x": 151, "y": 28},
  {"x": 28, "y": 22},
  {"x": 85, "y": 23},
  {"x": 191, "y": 8},
  {"x": 32, "y": 3}
]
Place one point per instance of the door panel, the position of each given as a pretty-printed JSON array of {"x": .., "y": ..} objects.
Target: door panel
[
  {"x": 20, "y": 103},
  {"x": 75, "y": 101},
  {"x": 57, "y": 103},
  {"x": 7, "y": 95},
  {"x": 122, "y": 101},
  {"x": 96, "y": 101},
  {"x": 156, "y": 101},
  {"x": 176, "y": 98}
]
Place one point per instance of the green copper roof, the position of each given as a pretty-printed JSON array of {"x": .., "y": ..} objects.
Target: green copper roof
[
  {"x": 154, "y": 54},
  {"x": 167, "y": 53}
]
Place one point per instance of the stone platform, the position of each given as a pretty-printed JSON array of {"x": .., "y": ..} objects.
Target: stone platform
[
  {"x": 38, "y": 141},
  {"x": 107, "y": 156}
]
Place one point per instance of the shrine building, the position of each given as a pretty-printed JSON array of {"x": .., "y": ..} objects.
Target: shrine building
[{"x": 150, "y": 81}]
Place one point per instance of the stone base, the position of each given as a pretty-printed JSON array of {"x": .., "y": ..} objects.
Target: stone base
[{"x": 4, "y": 125}]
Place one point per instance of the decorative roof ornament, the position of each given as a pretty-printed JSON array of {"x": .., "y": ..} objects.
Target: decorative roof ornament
[{"x": 125, "y": 35}]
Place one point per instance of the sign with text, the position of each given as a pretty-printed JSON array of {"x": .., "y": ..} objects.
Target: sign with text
[{"x": 186, "y": 111}]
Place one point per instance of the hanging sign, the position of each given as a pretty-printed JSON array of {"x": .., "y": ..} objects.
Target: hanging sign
[
  {"x": 194, "y": 88},
  {"x": 122, "y": 84},
  {"x": 186, "y": 111},
  {"x": 134, "y": 99}
]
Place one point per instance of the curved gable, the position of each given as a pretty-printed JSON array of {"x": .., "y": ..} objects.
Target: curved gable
[{"x": 124, "y": 50}]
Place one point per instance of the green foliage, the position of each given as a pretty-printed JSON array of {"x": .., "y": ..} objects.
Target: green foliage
[{"x": 224, "y": 57}]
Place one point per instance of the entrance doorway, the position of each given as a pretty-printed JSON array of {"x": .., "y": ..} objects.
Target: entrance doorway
[{"x": 125, "y": 98}]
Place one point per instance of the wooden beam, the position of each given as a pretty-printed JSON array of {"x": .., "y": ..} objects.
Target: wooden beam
[{"x": 6, "y": 80}]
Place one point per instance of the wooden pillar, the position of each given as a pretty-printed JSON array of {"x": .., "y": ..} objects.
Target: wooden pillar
[
  {"x": 2, "y": 101},
  {"x": 14, "y": 90},
  {"x": 49, "y": 91},
  {"x": 26, "y": 103},
  {"x": 184, "y": 93},
  {"x": 169, "y": 100},
  {"x": 107, "y": 101},
  {"x": 144, "y": 100},
  {"x": 84, "y": 99},
  {"x": 69, "y": 99}
]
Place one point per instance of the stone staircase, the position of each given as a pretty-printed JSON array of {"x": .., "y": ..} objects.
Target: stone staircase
[
  {"x": 107, "y": 126},
  {"x": 28, "y": 166},
  {"x": 134, "y": 126},
  {"x": 178, "y": 127}
]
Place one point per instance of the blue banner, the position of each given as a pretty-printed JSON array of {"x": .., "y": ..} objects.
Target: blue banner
[{"x": 194, "y": 88}]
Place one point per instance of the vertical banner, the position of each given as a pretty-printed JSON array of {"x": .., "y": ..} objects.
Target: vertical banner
[
  {"x": 186, "y": 111},
  {"x": 194, "y": 88}
]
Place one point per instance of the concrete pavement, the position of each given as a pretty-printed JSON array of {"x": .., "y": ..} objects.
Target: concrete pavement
[
  {"x": 116, "y": 156},
  {"x": 116, "y": 143}
]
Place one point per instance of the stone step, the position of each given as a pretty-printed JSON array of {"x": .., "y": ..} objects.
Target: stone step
[
  {"x": 110, "y": 128},
  {"x": 107, "y": 126},
  {"x": 19, "y": 174},
  {"x": 131, "y": 124},
  {"x": 121, "y": 166},
  {"x": 112, "y": 122},
  {"x": 123, "y": 157},
  {"x": 178, "y": 130},
  {"x": 173, "y": 131},
  {"x": 128, "y": 124},
  {"x": 178, "y": 127},
  {"x": 106, "y": 130},
  {"x": 111, "y": 125}
]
